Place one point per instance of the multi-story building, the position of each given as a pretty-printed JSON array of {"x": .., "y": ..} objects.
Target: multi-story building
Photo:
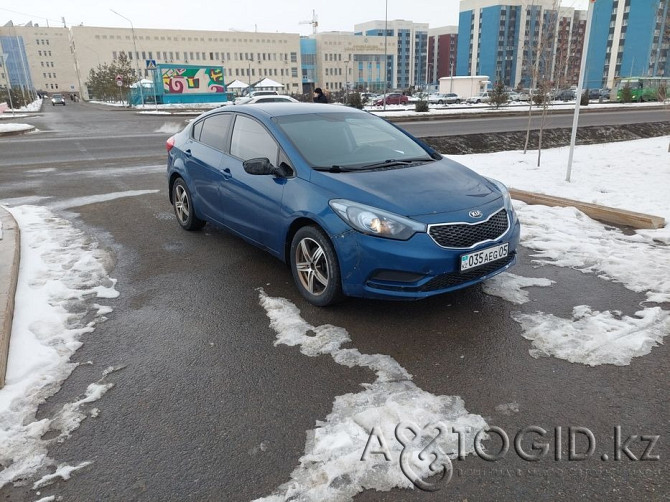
[
  {"x": 442, "y": 53},
  {"x": 245, "y": 56},
  {"x": 519, "y": 42},
  {"x": 408, "y": 67},
  {"x": 628, "y": 39},
  {"x": 60, "y": 59},
  {"x": 343, "y": 60},
  {"x": 38, "y": 58}
]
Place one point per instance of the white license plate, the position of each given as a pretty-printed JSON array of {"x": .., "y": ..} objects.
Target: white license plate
[{"x": 474, "y": 260}]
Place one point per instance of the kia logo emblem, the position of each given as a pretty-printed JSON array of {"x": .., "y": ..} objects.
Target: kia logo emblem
[{"x": 475, "y": 214}]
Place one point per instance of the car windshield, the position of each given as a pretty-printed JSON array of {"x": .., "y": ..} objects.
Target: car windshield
[{"x": 350, "y": 141}]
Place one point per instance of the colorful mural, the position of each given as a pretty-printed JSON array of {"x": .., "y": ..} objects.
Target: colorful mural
[{"x": 192, "y": 79}]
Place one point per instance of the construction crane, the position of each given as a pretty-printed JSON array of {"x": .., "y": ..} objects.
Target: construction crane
[{"x": 314, "y": 22}]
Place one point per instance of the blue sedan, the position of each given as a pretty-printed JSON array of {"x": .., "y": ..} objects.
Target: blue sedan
[{"x": 356, "y": 206}]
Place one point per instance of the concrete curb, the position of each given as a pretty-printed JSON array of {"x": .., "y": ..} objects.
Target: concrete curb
[
  {"x": 16, "y": 133},
  {"x": 9, "y": 274}
]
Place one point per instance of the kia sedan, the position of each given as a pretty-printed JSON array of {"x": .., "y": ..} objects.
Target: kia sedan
[{"x": 353, "y": 204}]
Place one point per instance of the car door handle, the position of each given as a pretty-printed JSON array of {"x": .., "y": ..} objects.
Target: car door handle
[
  {"x": 187, "y": 152},
  {"x": 226, "y": 173}
]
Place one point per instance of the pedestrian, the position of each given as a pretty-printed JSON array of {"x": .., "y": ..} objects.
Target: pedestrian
[{"x": 319, "y": 96}]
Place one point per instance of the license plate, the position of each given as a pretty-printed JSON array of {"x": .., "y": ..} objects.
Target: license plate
[{"x": 474, "y": 260}]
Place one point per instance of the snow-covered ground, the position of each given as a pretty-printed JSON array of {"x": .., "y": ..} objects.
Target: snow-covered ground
[{"x": 64, "y": 272}]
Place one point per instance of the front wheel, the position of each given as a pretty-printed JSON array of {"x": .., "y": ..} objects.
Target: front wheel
[
  {"x": 315, "y": 268},
  {"x": 183, "y": 207}
]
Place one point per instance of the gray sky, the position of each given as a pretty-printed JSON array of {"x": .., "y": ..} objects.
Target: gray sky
[{"x": 243, "y": 15}]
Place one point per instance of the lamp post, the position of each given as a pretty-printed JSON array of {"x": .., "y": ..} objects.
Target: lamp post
[
  {"x": 9, "y": 87},
  {"x": 137, "y": 54}
]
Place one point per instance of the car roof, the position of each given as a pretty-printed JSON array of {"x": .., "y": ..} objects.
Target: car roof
[{"x": 275, "y": 109}]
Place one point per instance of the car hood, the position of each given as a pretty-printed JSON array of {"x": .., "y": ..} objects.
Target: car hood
[{"x": 428, "y": 189}]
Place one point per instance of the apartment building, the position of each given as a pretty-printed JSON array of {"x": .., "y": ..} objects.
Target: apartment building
[
  {"x": 519, "y": 42},
  {"x": 442, "y": 53},
  {"x": 408, "y": 56},
  {"x": 628, "y": 39}
]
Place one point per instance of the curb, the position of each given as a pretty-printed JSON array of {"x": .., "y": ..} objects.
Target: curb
[
  {"x": 604, "y": 214},
  {"x": 16, "y": 133},
  {"x": 9, "y": 274}
]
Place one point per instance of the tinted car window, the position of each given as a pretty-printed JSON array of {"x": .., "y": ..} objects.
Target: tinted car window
[
  {"x": 250, "y": 140},
  {"x": 215, "y": 130},
  {"x": 197, "y": 127}
]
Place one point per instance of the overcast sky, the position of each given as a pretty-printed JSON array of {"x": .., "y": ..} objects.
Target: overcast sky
[{"x": 243, "y": 15}]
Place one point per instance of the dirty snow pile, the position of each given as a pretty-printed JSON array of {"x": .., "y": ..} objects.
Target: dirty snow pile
[{"x": 62, "y": 277}]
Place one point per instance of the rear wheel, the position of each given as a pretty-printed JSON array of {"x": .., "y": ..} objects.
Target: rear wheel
[
  {"x": 315, "y": 268},
  {"x": 183, "y": 206}
]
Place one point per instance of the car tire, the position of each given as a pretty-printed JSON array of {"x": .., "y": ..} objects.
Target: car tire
[
  {"x": 183, "y": 207},
  {"x": 315, "y": 268},
  {"x": 458, "y": 101}
]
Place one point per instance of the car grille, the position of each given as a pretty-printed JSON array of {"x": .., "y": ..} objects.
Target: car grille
[
  {"x": 456, "y": 279},
  {"x": 463, "y": 235}
]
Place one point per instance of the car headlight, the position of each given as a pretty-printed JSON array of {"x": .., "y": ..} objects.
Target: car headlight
[
  {"x": 507, "y": 200},
  {"x": 373, "y": 221}
]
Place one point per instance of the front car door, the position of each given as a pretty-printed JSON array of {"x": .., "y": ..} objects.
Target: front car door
[{"x": 253, "y": 203}]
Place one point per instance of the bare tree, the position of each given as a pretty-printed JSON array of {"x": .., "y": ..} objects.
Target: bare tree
[{"x": 542, "y": 65}]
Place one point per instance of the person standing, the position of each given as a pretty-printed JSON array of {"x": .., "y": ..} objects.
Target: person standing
[{"x": 319, "y": 96}]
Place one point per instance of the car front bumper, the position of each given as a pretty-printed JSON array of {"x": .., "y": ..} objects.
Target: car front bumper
[{"x": 372, "y": 267}]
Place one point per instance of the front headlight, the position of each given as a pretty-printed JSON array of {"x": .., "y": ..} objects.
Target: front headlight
[
  {"x": 373, "y": 221},
  {"x": 504, "y": 191}
]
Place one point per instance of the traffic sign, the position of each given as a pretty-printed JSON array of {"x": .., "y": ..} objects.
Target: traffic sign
[{"x": 151, "y": 64}]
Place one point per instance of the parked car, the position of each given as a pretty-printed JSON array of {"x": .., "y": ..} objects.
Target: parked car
[
  {"x": 394, "y": 98},
  {"x": 448, "y": 98},
  {"x": 355, "y": 206},
  {"x": 566, "y": 95},
  {"x": 513, "y": 96},
  {"x": 245, "y": 99},
  {"x": 484, "y": 97},
  {"x": 272, "y": 99},
  {"x": 57, "y": 99}
]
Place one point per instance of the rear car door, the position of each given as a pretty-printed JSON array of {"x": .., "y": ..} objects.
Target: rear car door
[{"x": 204, "y": 157}]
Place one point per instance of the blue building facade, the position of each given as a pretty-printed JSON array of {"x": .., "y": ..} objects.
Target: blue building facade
[
  {"x": 628, "y": 39},
  {"x": 17, "y": 67},
  {"x": 411, "y": 52},
  {"x": 496, "y": 39},
  {"x": 308, "y": 63}
]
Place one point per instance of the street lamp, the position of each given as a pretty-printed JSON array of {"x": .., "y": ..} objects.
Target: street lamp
[{"x": 137, "y": 62}]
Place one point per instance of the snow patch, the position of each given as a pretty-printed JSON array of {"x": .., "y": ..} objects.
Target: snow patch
[
  {"x": 94, "y": 199},
  {"x": 61, "y": 275},
  {"x": 170, "y": 128},
  {"x": 332, "y": 467},
  {"x": 594, "y": 338},
  {"x": 510, "y": 287}
]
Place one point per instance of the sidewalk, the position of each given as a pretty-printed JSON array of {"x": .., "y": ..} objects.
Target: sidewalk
[{"x": 9, "y": 272}]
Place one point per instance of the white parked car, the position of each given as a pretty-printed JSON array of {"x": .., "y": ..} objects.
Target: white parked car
[
  {"x": 484, "y": 97},
  {"x": 271, "y": 99},
  {"x": 245, "y": 99}
]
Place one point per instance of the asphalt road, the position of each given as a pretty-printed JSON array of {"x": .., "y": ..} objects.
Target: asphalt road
[{"x": 208, "y": 408}]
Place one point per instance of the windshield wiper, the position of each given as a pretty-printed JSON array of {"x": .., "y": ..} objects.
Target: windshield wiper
[
  {"x": 333, "y": 169},
  {"x": 397, "y": 162}
]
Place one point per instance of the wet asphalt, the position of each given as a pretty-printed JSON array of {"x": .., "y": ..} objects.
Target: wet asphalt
[{"x": 201, "y": 385}]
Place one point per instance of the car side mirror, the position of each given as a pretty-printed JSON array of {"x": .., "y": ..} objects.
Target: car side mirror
[{"x": 262, "y": 166}]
